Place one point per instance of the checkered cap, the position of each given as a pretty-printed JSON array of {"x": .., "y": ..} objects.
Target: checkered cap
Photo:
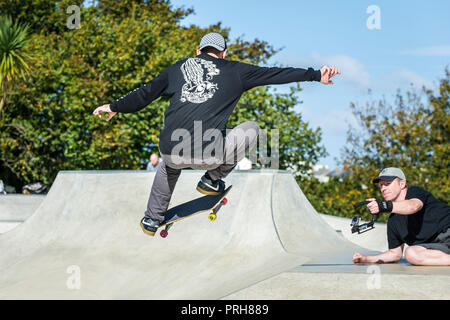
[{"x": 214, "y": 40}]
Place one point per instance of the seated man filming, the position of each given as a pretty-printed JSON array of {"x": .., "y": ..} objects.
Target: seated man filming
[{"x": 417, "y": 218}]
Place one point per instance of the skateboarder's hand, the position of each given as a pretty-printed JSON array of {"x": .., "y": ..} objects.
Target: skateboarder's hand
[
  {"x": 328, "y": 72},
  {"x": 104, "y": 108},
  {"x": 358, "y": 258}
]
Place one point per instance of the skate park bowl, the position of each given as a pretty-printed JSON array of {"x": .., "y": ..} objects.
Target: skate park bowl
[
  {"x": 84, "y": 242},
  {"x": 16, "y": 208}
]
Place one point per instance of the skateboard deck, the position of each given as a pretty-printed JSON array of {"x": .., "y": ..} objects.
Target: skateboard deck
[{"x": 190, "y": 208}]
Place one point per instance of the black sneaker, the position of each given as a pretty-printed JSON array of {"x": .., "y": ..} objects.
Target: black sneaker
[
  {"x": 210, "y": 187},
  {"x": 149, "y": 226}
]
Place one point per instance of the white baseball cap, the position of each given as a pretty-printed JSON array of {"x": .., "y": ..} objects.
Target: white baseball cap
[{"x": 390, "y": 174}]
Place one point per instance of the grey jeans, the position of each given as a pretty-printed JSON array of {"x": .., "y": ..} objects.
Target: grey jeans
[
  {"x": 236, "y": 145},
  {"x": 441, "y": 242}
]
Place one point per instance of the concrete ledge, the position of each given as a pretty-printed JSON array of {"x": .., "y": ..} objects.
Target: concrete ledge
[
  {"x": 375, "y": 239},
  {"x": 18, "y": 207},
  {"x": 348, "y": 286}
]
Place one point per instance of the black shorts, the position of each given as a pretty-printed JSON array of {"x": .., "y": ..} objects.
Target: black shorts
[{"x": 441, "y": 242}]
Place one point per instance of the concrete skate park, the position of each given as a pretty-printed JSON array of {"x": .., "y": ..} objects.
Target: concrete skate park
[{"x": 83, "y": 241}]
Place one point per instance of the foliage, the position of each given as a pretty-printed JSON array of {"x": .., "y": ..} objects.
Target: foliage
[
  {"x": 338, "y": 195},
  {"x": 43, "y": 16},
  {"x": 13, "y": 55}
]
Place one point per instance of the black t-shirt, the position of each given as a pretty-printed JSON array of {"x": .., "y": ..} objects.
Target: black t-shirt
[
  {"x": 203, "y": 89},
  {"x": 422, "y": 226}
]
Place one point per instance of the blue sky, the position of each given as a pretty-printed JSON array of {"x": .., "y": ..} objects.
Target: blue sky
[{"x": 412, "y": 46}]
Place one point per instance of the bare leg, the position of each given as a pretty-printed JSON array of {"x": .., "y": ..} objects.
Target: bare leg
[{"x": 421, "y": 256}]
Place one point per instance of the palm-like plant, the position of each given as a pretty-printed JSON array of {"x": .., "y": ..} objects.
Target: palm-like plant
[{"x": 13, "y": 57}]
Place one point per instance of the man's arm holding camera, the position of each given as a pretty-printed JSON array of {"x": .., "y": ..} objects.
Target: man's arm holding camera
[{"x": 410, "y": 206}]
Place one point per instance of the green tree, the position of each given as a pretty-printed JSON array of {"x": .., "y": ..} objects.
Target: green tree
[
  {"x": 41, "y": 15},
  {"x": 13, "y": 54}
]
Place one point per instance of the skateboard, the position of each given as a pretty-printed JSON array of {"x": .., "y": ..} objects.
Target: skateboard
[{"x": 190, "y": 208}]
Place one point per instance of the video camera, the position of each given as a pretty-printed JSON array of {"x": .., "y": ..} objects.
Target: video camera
[{"x": 361, "y": 228}]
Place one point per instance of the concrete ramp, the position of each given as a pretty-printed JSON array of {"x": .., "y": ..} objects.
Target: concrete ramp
[
  {"x": 84, "y": 241},
  {"x": 87, "y": 229}
]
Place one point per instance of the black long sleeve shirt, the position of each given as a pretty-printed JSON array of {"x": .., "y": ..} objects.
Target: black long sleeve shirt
[{"x": 204, "y": 89}]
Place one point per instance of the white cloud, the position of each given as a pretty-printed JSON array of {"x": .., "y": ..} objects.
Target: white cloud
[
  {"x": 402, "y": 79},
  {"x": 334, "y": 122},
  {"x": 413, "y": 78},
  {"x": 429, "y": 51}
]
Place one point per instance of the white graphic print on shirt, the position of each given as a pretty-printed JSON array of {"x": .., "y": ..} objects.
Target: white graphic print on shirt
[{"x": 198, "y": 87}]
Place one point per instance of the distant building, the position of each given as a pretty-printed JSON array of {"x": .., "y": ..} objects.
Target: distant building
[
  {"x": 2, "y": 188},
  {"x": 244, "y": 164},
  {"x": 322, "y": 172},
  {"x": 339, "y": 173}
]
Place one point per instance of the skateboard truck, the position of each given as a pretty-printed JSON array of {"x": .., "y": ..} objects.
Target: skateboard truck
[
  {"x": 361, "y": 228},
  {"x": 213, "y": 215}
]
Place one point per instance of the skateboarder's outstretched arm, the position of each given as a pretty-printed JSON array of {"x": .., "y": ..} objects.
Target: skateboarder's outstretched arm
[
  {"x": 253, "y": 76},
  {"x": 136, "y": 99}
]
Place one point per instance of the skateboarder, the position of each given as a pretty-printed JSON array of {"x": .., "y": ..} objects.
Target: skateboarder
[
  {"x": 417, "y": 218},
  {"x": 203, "y": 92}
]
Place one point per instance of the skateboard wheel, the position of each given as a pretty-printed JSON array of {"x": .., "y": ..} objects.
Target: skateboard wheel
[
  {"x": 212, "y": 216},
  {"x": 224, "y": 201},
  {"x": 163, "y": 233}
]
